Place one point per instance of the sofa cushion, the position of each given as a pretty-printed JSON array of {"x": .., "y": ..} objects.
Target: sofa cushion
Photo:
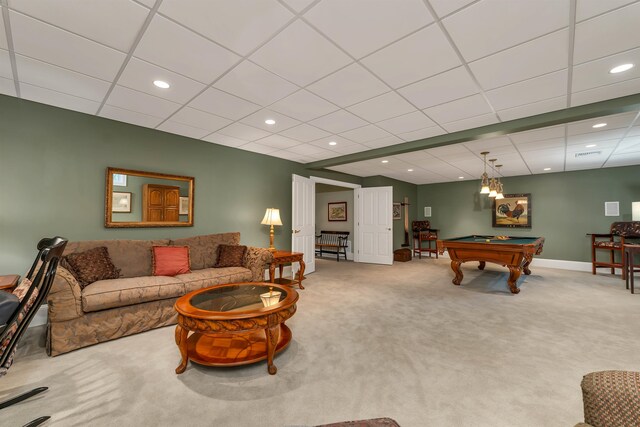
[
  {"x": 92, "y": 265},
  {"x": 128, "y": 291},
  {"x": 203, "y": 250},
  {"x": 230, "y": 256},
  {"x": 214, "y": 276},
  {"x": 170, "y": 260},
  {"x": 132, "y": 257}
]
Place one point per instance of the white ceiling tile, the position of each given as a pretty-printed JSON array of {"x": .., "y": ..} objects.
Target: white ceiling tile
[
  {"x": 223, "y": 104},
  {"x": 42, "y": 41},
  {"x": 619, "y": 26},
  {"x": 439, "y": 89},
  {"x": 365, "y": 133},
  {"x": 90, "y": 18},
  {"x": 239, "y": 25},
  {"x": 305, "y": 133},
  {"x": 278, "y": 141},
  {"x": 383, "y": 142},
  {"x": 338, "y": 122},
  {"x": 385, "y": 22},
  {"x": 182, "y": 129},
  {"x": 229, "y": 141},
  {"x": 7, "y": 87},
  {"x": 200, "y": 119},
  {"x": 141, "y": 102},
  {"x": 5, "y": 65},
  {"x": 534, "y": 58},
  {"x": 259, "y": 148},
  {"x": 341, "y": 142},
  {"x": 596, "y": 73},
  {"x": 455, "y": 151},
  {"x": 547, "y": 144},
  {"x": 529, "y": 91},
  {"x": 596, "y": 137},
  {"x": 382, "y": 107},
  {"x": 294, "y": 157},
  {"x": 135, "y": 118},
  {"x": 303, "y": 105},
  {"x": 175, "y": 48},
  {"x": 628, "y": 145},
  {"x": 60, "y": 80},
  {"x": 538, "y": 134},
  {"x": 307, "y": 149},
  {"x": 416, "y": 54},
  {"x": 255, "y": 84},
  {"x": 298, "y": 5},
  {"x": 473, "y": 122},
  {"x": 348, "y": 86},
  {"x": 3, "y": 38},
  {"x": 615, "y": 121},
  {"x": 534, "y": 108},
  {"x": 140, "y": 75},
  {"x": 258, "y": 118},
  {"x": 495, "y": 146},
  {"x": 148, "y": 3},
  {"x": 623, "y": 160},
  {"x": 606, "y": 92},
  {"x": 57, "y": 99},
  {"x": 240, "y": 131},
  {"x": 422, "y": 133},
  {"x": 300, "y": 55},
  {"x": 489, "y": 26},
  {"x": 445, "y": 7},
  {"x": 586, "y": 9},
  {"x": 342, "y": 149},
  {"x": 459, "y": 109},
  {"x": 407, "y": 123},
  {"x": 596, "y": 145}
]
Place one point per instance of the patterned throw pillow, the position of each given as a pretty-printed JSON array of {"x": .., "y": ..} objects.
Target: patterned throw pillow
[
  {"x": 230, "y": 256},
  {"x": 92, "y": 265},
  {"x": 170, "y": 260}
]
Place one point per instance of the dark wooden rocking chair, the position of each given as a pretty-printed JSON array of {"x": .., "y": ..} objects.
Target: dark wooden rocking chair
[{"x": 17, "y": 309}]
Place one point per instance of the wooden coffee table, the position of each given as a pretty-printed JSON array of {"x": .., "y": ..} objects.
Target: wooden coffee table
[{"x": 231, "y": 326}]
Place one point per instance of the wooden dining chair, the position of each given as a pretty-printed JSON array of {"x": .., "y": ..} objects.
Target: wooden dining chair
[
  {"x": 613, "y": 243},
  {"x": 423, "y": 235}
]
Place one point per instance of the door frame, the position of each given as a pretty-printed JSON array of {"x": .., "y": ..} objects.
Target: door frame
[{"x": 356, "y": 244}]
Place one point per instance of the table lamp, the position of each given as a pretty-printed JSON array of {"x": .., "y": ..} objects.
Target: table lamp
[{"x": 271, "y": 217}]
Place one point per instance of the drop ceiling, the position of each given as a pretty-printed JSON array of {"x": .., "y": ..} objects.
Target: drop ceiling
[{"x": 364, "y": 74}]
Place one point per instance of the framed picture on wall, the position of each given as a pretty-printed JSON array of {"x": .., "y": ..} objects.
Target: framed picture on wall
[
  {"x": 121, "y": 202},
  {"x": 397, "y": 211},
  {"x": 337, "y": 211},
  {"x": 184, "y": 206},
  {"x": 514, "y": 211},
  {"x": 120, "y": 179}
]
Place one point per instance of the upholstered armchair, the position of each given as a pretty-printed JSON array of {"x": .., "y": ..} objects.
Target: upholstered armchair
[
  {"x": 613, "y": 242},
  {"x": 611, "y": 398},
  {"x": 423, "y": 235}
]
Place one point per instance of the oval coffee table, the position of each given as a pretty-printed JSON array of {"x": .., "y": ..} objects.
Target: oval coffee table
[{"x": 231, "y": 326}]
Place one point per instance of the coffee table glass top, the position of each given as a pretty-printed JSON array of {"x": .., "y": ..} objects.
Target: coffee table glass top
[{"x": 234, "y": 298}]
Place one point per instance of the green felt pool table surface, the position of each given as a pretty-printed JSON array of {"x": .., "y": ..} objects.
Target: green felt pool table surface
[{"x": 492, "y": 239}]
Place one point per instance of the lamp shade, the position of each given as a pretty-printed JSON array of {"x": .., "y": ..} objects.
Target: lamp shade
[
  {"x": 272, "y": 217},
  {"x": 635, "y": 211}
]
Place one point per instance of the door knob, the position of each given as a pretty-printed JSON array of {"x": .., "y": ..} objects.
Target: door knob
[
  {"x": 296, "y": 231},
  {"x": 388, "y": 229}
]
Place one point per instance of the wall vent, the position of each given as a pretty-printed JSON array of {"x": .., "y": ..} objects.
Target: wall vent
[{"x": 588, "y": 153}]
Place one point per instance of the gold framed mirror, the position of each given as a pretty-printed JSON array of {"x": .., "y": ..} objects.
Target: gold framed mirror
[{"x": 147, "y": 199}]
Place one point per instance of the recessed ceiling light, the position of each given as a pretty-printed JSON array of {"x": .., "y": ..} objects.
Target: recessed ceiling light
[
  {"x": 461, "y": 177},
  {"x": 385, "y": 161},
  {"x": 621, "y": 68},
  {"x": 591, "y": 145},
  {"x": 161, "y": 84},
  {"x": 599, "y": 125},
  {"x": 547, "y": 169},
  {"x": 409, "y": 170},
  {"x": 270, "y": 122},
  {"x": 333, "y": 143}
]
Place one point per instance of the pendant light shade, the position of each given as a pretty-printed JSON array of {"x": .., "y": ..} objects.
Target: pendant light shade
[
  {"x": 485, "y": 178},
  {"x": 499, "y": 194},
  {"x": 493, "y": 185}
]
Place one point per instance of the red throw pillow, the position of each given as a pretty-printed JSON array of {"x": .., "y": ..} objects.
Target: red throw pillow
[{"x": 170, "y": 260}]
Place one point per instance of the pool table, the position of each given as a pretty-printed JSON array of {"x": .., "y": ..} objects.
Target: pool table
[{"x": 516, "y": 253}]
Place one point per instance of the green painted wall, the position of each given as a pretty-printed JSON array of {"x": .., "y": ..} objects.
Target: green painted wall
[
  {"x": 400, "y": 190},
  {"x": 52, "y": 172},
  {"x": 565, "y": 207}
]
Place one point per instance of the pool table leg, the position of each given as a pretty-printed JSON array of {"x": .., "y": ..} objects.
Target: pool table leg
[
  {"x": 514, "y": 274},
  {"x": 455, "y": 266},
  {"x": 525, "y": 267},
  {"x": 481, "y": 265}
]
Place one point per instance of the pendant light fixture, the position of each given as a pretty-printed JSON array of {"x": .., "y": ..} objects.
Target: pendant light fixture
[
  {"x": 485, "y": 178},
  {"x": 499, "y": 189},
  {"x": 492, "y": 184}
]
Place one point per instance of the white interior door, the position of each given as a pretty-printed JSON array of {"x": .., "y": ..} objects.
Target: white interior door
[
  {"x": 303, "y": 214},
  {"x": 374, "y": 218}
]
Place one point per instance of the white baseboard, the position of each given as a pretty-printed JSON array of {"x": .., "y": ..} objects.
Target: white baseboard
[{"x": 553, "y": 263}]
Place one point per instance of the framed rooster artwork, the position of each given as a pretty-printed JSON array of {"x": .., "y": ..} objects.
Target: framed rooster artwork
[{"x": 514, "y": 211}]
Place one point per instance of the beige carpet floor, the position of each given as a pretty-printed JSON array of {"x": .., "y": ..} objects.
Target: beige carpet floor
[{"x": 368, "y": 341}]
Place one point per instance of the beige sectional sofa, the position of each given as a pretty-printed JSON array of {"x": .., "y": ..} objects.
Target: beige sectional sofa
[{"x": 137, "y": 301}]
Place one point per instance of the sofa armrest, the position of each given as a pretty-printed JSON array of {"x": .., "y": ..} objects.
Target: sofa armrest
[
  {"x": 64, "y": 299},
  {"x": 257, "y": 260}
]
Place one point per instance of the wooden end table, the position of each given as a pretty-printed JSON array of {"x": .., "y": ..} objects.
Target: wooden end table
[
  {"x": 280, "y": 258},
  {"x": 8, "y": 282}
]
